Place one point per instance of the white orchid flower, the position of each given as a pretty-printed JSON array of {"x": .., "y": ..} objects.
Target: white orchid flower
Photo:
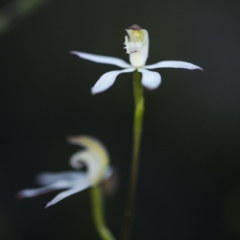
[
  {"x": 137, "y": 44},
  {"x": 94, "y": 157}
]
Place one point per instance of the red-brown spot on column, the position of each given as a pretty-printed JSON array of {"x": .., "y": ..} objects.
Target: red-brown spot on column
[{"x": 134, "y": 27}]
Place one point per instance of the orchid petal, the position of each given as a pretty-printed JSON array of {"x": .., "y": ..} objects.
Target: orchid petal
[
  {"x": 96, "y": 167},
  {"x": 174, "y": 64},
  {"x": 77, "y": 188},
  {"x": 102, "y": 59},
  {"x": 150, "y": 79},
  {"x": 27, "y": 193},
  {"x": 47, "y": 178},
  {"x": 95, "y": 157},
  {"x": 81, "y": 158},
  {"x": 107, "y": 80}
]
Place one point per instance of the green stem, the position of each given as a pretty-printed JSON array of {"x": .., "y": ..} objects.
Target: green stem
[
  {"x": 137, "y": 131},
  {"x": 97, "y": 209}
]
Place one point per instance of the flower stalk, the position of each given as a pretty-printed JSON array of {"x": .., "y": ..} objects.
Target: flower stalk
[
  {"x": 98, "y": 213},
  {"x": 137, "y": 46},
  {"x": 137, "y": 131}
]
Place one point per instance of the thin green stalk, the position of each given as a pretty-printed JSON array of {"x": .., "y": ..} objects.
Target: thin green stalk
[
  {"x": 137, "y": 131},
  {"x": 98, "y": 215}
]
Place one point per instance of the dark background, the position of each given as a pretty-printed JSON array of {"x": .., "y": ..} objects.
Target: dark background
[{"x": 189, "y": 183}]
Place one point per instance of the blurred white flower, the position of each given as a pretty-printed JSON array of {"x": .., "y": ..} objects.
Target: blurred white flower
[
  {"x": 137, "y": 44},
  {"x": 94, "y": 157}
]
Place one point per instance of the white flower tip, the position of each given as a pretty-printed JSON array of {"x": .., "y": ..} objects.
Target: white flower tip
[
  {"x": 57, "y": 199},
  {"x": 48, "y": 205},
  {"x": 94, "y": 91},
  {"x": 77, "y": 139},
  {"x": 151, "y": 89},
  {"x": 74, "y": 53},
  {"x": 71, "y": 139},
  {"x": 86, "y": 141},
  {"x": 195, "y": 67},
  {"x": 24, "y": 194}
]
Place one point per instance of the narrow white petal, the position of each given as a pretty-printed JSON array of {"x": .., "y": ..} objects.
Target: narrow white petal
[
  {"x": 49, "y": 177},
  {"x": 61, "y": 184},
  {"x": 150, "y": 79},
  {"x": 174, "y": 64},
  {"x": 107, "y": 80},
  {"x": 102, "y": 59},
  {"x": 77, "y": 188}
]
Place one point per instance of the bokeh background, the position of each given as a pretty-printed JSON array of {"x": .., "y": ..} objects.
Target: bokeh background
[{"x": 189, "y": 182}]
